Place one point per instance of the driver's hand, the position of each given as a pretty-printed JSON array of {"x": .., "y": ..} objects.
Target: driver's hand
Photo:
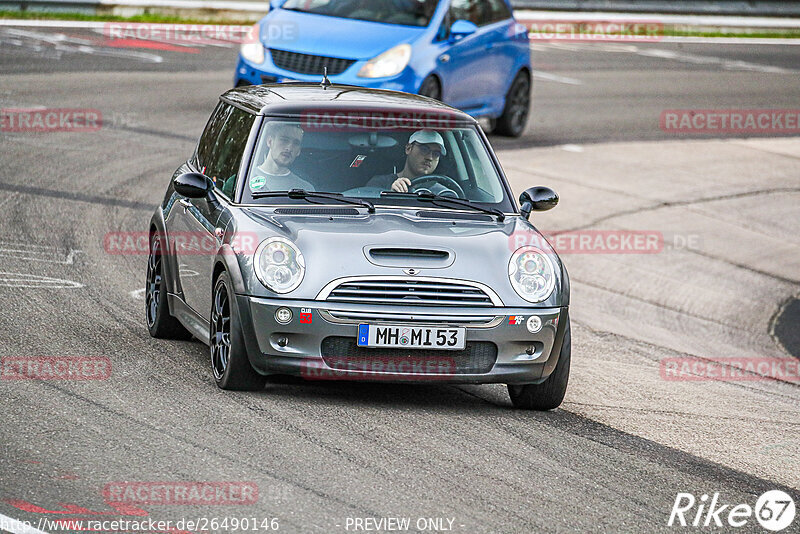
[{"x": 401, "y": 185}]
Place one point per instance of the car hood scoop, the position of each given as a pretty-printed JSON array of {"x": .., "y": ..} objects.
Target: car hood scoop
[{"x": 408, "y": 257}]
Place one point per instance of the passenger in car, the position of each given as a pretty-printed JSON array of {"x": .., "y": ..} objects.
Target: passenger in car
[
  {"x": 423, "y": 152},
  {"x": 273, "y": 174}
]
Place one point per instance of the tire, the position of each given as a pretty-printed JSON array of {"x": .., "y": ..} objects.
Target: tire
[
  {"x": 515, "y": 115},
  {"x": 431, "y": 88},
  {"x": 229, "y": 362},
  {"x": 160, "y": 322},
  {"x": 549, "y": 394}
]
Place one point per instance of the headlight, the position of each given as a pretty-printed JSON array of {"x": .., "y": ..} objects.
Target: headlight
[
  {"x": 279, "y": 265},
  {"x": 252, "y": 49},
  {"x": 389, "y": 63},
  {"x": 531, "y": 273}
]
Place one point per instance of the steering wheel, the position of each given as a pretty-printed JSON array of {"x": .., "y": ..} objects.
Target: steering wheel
[{"x": 440, "y": 179}]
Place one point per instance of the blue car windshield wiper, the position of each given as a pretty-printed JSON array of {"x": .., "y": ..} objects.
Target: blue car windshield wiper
[
  {"x": 302, "y": 194},
  {"x": 437, "y": 199}
]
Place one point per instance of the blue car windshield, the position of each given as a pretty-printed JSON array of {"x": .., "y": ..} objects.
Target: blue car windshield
[
  {"x": 368, "y": 156},
  {"x": 403, "y": 12}
]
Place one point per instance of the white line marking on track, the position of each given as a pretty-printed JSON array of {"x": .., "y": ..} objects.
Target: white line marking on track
[
  {"x": 572, "y": 148},
  {"x": 15, "y": 526},
  {"x": 31, "y": 252},
  {"x": 33, "y": 281},
  {"x": 670, "y": 55},
  {"x": 138, "y": 294},
  {"x": 550, "y": 77}
]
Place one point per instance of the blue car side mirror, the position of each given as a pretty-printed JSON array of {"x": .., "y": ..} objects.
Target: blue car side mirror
[
  {"x": 275, "y": 4},
  {"x": 461, "y": 29}
]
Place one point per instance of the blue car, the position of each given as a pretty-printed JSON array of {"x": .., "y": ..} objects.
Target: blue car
[{"x": 470, "y": 54}]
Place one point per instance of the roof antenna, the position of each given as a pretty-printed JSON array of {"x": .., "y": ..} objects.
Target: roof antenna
[{"x": 325, "y": 81}]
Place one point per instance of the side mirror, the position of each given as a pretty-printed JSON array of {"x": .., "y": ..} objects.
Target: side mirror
[
  {"x": 275, "y": 4},
  {"x": 461, "y": 29},
  {"x": 193, "y": 185},
  {"x": 537, "y": 199}
]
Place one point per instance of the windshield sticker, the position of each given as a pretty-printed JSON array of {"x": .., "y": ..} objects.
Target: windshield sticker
[
  {"x": 358, "y": 161},
  {"x": 257, "y": 183}
]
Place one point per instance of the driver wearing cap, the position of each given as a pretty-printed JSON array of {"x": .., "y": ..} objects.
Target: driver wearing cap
[{"x": 423, "y": 151}]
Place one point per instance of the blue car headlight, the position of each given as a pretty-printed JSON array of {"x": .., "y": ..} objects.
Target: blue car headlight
[
  {"x": 532, "y": 274},
  {"x": 252, "y": 50},
  {"x": 390, "y": 63},
  {"x": 279, "y": 265}
]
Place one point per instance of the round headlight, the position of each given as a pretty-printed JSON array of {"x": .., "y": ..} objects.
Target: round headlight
[
  {"x": 531, "y": 273},
  {"x": 279, "y": 265}
]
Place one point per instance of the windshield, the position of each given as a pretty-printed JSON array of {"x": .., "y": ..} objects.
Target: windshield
[
  {"x": 403, "y": 12},
  {"x": 373, "y": 160}
]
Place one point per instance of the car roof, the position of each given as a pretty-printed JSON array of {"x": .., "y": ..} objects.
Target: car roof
[{"x": 297, "y": 98}]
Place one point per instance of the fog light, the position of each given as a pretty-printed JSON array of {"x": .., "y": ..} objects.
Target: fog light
[
  {"x": 534, "y": 324},
  {"x": 283, "y": 315}
]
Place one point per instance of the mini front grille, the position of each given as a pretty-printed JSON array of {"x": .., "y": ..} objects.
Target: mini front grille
[
  {"x": 342, "y": 353},
  {"x": 371, "y": 317},
  {"x": 309, "y": 64},
  {"x": 410, "y": 293}
]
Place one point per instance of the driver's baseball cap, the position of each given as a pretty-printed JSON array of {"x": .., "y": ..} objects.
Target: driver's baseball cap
[{"x": 426, "y": 137}]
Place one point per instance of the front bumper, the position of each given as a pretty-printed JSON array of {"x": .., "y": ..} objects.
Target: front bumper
[
  {"x": 500, "y": 349},
  {"x": 252, "y": 74}
]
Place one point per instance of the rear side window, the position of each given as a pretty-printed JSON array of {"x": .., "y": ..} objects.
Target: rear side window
[
  {"x": 500, "y": 10},
  {"x": 209, "y": 137},
  {"x": 220, "y": 151},
  {"x": 479, "y": 12}
]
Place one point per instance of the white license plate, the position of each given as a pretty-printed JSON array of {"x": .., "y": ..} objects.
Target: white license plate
[{"x": 411, "y": 337}]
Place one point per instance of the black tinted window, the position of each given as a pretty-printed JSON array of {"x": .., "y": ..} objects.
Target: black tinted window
[
  {"x": 403, "y": 12},
  {"x": 219, "y": 153},
  {"x": 478, "y": 12},
  {"x": 209, "y": 137},
  {"x": 500, "y": 10},
  {"x": 226, "y": 155}
]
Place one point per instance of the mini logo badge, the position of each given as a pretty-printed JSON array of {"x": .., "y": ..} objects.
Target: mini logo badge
[
  {"x": 305, "y": 316},
  {"x": 411, "y": 272}
]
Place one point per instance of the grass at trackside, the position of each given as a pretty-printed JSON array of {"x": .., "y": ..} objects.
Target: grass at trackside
[
  {"x": 151, "y": 18},
  {"x": 167, "y": 19}
]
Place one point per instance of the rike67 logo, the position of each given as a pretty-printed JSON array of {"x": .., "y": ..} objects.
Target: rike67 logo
[{"x": 774, "y": 511}]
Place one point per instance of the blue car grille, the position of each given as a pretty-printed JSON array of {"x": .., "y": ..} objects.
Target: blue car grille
[
  {"x": 342, "y": 353},
  {"x": 308, "y": 64}
]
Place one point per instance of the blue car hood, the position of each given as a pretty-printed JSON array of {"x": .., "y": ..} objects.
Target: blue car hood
[{"x": 332, "y": 36}]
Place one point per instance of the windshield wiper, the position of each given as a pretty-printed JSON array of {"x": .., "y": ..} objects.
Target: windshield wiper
[
  {"x": 302, "y": 194},
  {"x": 434, "y": 199}
]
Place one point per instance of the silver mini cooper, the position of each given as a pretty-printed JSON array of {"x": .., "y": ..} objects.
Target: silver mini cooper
[{"x": 342, "y": 233}]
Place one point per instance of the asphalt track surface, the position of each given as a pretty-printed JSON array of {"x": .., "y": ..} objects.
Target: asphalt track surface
[{"x": 612, "y": 459}]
